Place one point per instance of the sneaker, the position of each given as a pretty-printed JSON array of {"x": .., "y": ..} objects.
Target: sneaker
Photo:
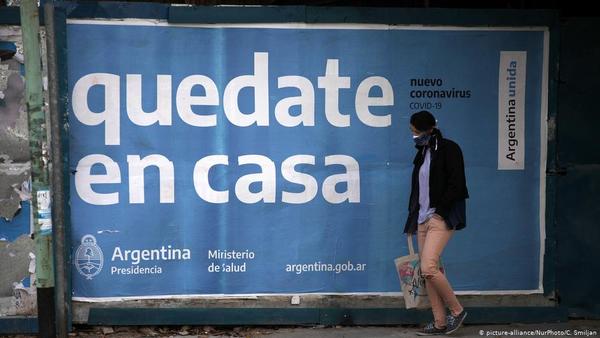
[
  {"x": 454, "y": 322},
  {"x": 431, "y": 330}
]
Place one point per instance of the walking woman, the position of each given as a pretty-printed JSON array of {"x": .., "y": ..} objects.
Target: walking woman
[{"x": 436, "y": 211}]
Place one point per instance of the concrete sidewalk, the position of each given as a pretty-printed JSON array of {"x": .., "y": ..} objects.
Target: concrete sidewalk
[
  {"x": 559, "y": 330},
  {"x": 580, "y": 328}
]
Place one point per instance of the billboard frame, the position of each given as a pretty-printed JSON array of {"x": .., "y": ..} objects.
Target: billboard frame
[{"x": 331, "y": 311}]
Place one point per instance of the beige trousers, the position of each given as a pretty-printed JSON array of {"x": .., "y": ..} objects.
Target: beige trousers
[{"x": 433, "y": 235}]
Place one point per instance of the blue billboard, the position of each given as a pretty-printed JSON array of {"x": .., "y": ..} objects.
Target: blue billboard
[{"x": 276, "y": 159}]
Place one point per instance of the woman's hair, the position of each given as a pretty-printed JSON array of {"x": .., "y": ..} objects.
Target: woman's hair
[{"x": 422, "y": 120}]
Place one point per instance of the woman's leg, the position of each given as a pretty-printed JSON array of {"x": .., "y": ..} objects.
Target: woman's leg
[
  {"x": 436, "y": 239},
  {"x": 437, "y": 304}
]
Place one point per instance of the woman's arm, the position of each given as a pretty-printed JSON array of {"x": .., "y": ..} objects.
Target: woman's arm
[{"x": 455, "y": 178}]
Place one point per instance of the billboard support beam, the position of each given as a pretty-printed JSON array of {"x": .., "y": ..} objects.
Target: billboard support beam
[
  {"x": 38, "y": 146},
  {"x": 56, "y": 177}
]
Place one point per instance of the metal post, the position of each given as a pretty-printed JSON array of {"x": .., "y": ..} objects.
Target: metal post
[
  {"x": 40, "y": 190},
  {"x": 58, "y": 212}
]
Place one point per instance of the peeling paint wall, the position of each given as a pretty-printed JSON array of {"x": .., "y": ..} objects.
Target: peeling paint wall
[
  {"x": 17, "y": 261},
  {"x": 14, "y": 146}
]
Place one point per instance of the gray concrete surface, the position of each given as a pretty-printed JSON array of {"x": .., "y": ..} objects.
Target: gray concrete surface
[
  {"x": 579, "y": 328},
  {"x": 465, "y": 331}
]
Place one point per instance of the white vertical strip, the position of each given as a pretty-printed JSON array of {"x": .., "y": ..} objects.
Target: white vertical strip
[{"x": 511, "y": 110}]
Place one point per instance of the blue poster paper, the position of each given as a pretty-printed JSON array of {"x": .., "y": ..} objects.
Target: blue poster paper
[{"x": 277, "y": 160}]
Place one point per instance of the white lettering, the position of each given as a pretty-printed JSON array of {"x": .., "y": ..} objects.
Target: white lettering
[
  {"x": 84, "y": 179},
  {"x": 185, "y": 100},
  {"x": 110, "y": 115},
  {"x": 136, "y": 114},
  {"x": 136, "y": 177},
  {"x": 306, "y": 101},
  {"x": 266, "y": 178},
  {"x": 260, "y": 82},
  {"x": 364, "y": 101},
  {"x": 332, "y": 83},
  {"x": 201, "y": 183},
  {"x": 290, "y": 174},
  {"x": 351, "y": 178}
]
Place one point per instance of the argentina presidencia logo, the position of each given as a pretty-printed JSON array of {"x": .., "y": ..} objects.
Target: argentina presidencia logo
[{"x": 88, "y": 257}]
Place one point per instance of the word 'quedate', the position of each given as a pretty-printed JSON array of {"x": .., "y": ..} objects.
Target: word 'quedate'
[{"x": 331, "y": 82}]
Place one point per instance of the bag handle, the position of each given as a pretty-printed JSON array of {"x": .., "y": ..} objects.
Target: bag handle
[{"x": 411, "y": 250}]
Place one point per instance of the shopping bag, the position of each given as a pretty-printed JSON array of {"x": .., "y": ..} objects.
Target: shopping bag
[{"x": 412, "y": 282}]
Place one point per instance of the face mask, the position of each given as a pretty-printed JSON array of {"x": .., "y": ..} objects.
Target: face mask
[{"x": 422, "y": 139}]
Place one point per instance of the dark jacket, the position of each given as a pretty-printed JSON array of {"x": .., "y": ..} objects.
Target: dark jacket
[{"x": 447, "y": 183}]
